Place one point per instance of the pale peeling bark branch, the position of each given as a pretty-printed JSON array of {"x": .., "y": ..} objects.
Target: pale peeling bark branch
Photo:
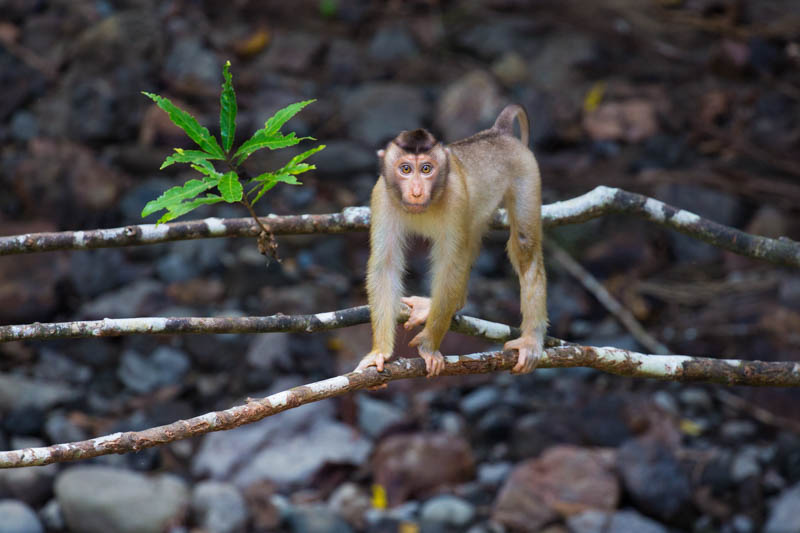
[
  {"x": 598, "y": 202},
  {"x": 611, "y": 360},
  {"x": 117, "y": 327}
]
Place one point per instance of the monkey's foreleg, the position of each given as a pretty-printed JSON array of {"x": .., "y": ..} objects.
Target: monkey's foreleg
[
  {"x": 451, "y": 265},
  {"x": 420, "y": 308}
]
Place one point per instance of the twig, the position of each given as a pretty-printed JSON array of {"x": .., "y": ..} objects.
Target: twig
[
  {"x": 598, "y": 202},
  {"x": 612, "y": 360},
  {"x": 116, "y": 327},
  {"x": 591, "y": 284}
]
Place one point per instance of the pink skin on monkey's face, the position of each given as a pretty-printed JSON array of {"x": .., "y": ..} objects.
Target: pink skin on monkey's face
[{"x": 416, "y": 176}]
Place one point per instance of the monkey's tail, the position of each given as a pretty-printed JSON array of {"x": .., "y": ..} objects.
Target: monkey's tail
[{"x": 505, "y": 122}]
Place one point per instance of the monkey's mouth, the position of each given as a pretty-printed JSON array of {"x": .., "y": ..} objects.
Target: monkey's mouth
[{"x": 415, "y": 208}]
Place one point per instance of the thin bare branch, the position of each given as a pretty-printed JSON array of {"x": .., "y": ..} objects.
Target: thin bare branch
[
  {"x": 117, "y": 327},
  {"x": 598, "y": 202},
  {"x": 612, "y": 360},
  {"x": 590, "y": 283}
]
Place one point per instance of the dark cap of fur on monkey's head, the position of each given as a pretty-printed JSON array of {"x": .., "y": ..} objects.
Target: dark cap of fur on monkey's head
[{"x": 416, "y": 141}]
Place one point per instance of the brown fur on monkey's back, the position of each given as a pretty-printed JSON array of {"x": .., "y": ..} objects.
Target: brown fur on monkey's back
[{"x": 499, "y": 171}]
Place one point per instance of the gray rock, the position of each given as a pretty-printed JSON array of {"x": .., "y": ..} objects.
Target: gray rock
[
  {"x": 24, "y": 126},
  {"x": 715, "y": 205},
  {"x": 374, "y": 415},
  {"x": 392, "y": 43},
  {"x": 269, "y": 351},
  {"x": 317, "y": 520},
  {"x": 219, "y": 508},
  {"x": 666, "y": 402},
  {"x": 619, "y": 522},
  {"x": 16, "y": 517},
  {"x": 345, "y": 157},
  {"x": 553, "y": 64},
  {"x": 140, "y": 298},
  {"x": 696, "y": 398},
  {"x": 480, "y": 400},
  {"x": 654, "y": 478},
  {"x": 142, "y": 374},
  {"x": 191, "y": 66},
  {"x": 491, "y": 39},
  {"x": 738, "y": 430},
  {"x": 469, "y": 104},
  {"x": 51, "y": 516},
  {"x": 494, "y": 473},
  {"x": 190, "y": 259},
  {"x": 32, "y": 485},
  {"x": 742, "y": 524},
  {"x": 745, "y": 464},
  {"x": 448, "y": 509},
  {"x": 626, "y": 521},
  {"x": 59, "y": 428},
  {"x": 373, "y": 114},
  {"x": 58, "y": 367},
  {"x": 18, "y": 392},
  {"x": 296, "y": 459},
  {"x": 96, "y": 499},
  {"x": 221, "y": 453},
  {"x": 95, "y": 271},
  {"x": 291, "y": 51},
  {"x": 782, "y": 517},
  {"x": 350, "y": 502}
]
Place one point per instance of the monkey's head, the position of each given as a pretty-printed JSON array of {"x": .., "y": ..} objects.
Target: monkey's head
[{"x": 414, "y": 165}]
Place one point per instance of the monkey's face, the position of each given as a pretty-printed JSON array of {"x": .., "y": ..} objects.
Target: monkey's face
[{"x": 417, "y": 179}]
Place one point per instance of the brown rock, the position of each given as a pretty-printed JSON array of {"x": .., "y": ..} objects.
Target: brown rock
[
  {"x": 563, "y": 481},
  {"x": 631, "y": 120},
  {"x": 406, "y": 465},
  {"x": 468, "y": 105}
]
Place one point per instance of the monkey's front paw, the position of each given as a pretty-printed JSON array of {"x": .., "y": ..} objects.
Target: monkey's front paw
[
  {"x": 529, "y": 352},
  {"x": 420, "y": 307},
  {"x": 375, "y": 359}
]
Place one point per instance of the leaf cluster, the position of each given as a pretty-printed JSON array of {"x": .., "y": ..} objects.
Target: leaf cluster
[{"x": 226, "y": 186}]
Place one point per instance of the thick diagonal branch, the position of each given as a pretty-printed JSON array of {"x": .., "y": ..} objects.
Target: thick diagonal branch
[
  {"x": 598, "y": 202},
  {"x": 612, "y": 360}
]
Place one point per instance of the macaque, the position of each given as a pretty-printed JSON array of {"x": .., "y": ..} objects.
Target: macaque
[{"x": 448, "y": 195}]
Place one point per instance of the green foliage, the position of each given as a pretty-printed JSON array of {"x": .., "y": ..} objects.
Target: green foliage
[{"x": 178, "y": 201}]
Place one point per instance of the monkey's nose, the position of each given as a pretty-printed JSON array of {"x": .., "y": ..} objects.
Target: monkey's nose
[{"x": 416, "y": 193}]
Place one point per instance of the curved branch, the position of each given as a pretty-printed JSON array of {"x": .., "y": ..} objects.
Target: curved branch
[
  {"x": 352, "y": 316},
  {"x": 612, "y": 360},
  {"x": 598, "y": 202}
]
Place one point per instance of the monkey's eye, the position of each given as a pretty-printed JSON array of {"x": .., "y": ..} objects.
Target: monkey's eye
[
  {"x": 405, "y": 168},
  {"x": 426, "y": 168}
]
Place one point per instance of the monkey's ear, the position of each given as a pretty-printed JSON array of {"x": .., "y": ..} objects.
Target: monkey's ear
[{"x": 381, "y": 153}]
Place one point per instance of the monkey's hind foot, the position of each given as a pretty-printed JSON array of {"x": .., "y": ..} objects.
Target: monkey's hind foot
[
  {"x": 529, "y": 351},
  {"x": 434, "y": 362},
  {"x": 420, "y": 308}
]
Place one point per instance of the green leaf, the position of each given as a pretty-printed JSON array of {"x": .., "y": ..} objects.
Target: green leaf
[
  {"x": 267, "y": 186},
  {"x": 227, "y": 109},
  {"x": 176, "y": 195},
  {"x": 205, "y": 167},
  {"x": 187, "y": 156},
  {"x": 295, "y": 166},
  {"x": 189, "y": 124},
  {"x": 270, "y": 136},
  {"x": 261, "y": 139},
  {"x": 282, "y": 116},
  {"x": 183, "y": 208},
  {"x": 230, "y": 187}
]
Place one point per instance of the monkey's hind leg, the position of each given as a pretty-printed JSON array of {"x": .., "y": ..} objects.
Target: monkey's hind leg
[{"x": 525, "y": 253}]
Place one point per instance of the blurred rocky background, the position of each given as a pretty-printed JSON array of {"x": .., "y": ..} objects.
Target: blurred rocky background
[{"x": 694, "y": 102}]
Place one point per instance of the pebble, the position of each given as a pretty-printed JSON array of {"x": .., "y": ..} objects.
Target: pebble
[
  {"x": 374, "y": 416},
  {"x": 219, "y": 507},
  {"x": 317, "y": 519},
  {"x": 16, "y": 517},
  {"x": 143, "y": 374},
  {"x": 448, "y": 509},
  {"x": 782, "y": 516},
  {"x": 98, "y": 499},
  {"x": 479, "y": 400}
]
